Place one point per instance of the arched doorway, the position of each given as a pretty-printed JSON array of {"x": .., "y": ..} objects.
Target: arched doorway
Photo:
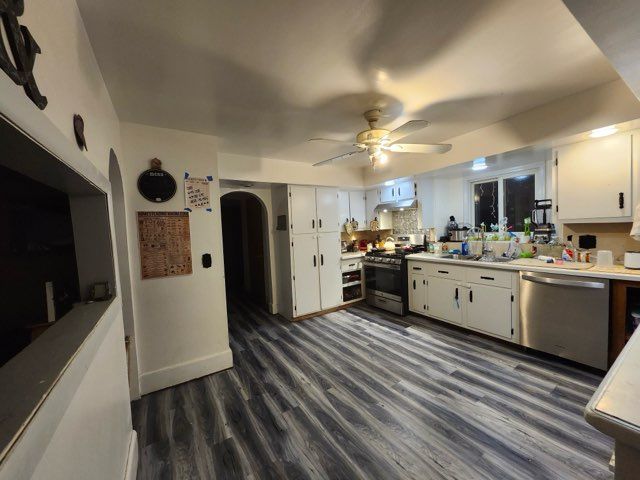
[
  {"x": 246, "y": 248},
  {"x": 120, "y": 227}
]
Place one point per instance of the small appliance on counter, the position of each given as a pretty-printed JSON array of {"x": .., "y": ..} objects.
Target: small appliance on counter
[
  {"x": 456, "y": 232},
  {"x": 543, "y": 230},
  {"x": 632, "y": 260}
]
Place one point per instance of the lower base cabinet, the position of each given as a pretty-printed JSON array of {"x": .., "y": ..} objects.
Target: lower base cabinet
[
  {"x": 487, "y": 307},
  {"x": 418, "y": 293},
  {"x": 489, "y": 310},
  {"x": 444, "y": 299}
]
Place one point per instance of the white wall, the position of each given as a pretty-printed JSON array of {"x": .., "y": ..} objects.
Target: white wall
[
  {"x": 603, "y": 105},
  {"x": 269, "y": 170},
  {"x": 67, "y": 73},
  {"x": 264, "y": 194},
  {"x": 181, "y": 322}
]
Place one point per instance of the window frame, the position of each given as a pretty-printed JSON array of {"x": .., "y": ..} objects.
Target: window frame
[{"x": 538, "y": 170}]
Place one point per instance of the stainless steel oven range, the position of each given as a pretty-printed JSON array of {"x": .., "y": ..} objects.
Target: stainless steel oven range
[{"x": 386, "y": 281}]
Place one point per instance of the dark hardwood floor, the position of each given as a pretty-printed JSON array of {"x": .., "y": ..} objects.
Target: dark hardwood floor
[{"x": 361, "y": 394}]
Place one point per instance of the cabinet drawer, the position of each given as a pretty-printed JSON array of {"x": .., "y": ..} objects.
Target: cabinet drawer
[
  {"x": 351, "y": 264},
  {"x": 446, "y": 271},
  {"x": 417, "y": 268},
  {"x": 483, "y": 276}
]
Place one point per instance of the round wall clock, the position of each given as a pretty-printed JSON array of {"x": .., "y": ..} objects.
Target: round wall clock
[{"x": 156, "y": 185}]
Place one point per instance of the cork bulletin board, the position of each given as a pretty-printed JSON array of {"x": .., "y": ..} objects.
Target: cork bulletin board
[{"x": 165, "y": 244}]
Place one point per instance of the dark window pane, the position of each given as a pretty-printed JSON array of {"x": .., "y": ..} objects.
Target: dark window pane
[
  {"x": 519, "y": 194},
  {"x": 485, "y": 200}
]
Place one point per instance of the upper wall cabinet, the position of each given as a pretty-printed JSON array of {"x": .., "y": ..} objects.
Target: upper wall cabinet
[
  {"x": 400, "y": 191},
  {"x": 313, "y": 209},
  {"x": 351, "y": 206},
  {"x": 372, "y": 200},
  {"x": 595, "y": 180}
]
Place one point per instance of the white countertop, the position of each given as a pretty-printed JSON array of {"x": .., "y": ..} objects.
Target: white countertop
[
  {"x": 613, "y": 273},
  {"x": 349, "y": 255},
  {"x": 613, "y": 409}
]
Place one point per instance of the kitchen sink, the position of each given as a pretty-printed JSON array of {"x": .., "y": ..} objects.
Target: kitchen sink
[{"x": 477, "y": 258}]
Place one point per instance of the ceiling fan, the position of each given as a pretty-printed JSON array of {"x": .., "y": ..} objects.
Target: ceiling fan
[{"x": 377, "y": 141}]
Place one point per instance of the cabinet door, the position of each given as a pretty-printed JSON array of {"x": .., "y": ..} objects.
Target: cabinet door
[
  {"x": 387, "y": 194},
  {"x": 358, "y": 209},
  {"x": 418, "y": 293},
  {"x": 327, "y": 209},
  {"x": 330, "y": 272},
  {"x": 405, "y": 191},
  {"x": 303, "y": 209},
  {"x": 594, "y": 179},
  {"x": 343, "y": 208},
  {"x": 372, "y": 200},
  {"x": 489, "y": 310},
  {"x": 445, "y": 300},
  {"x": 306, "y": 277}
]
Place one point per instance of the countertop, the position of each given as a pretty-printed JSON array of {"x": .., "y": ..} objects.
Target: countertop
[
  {"x": 349, "y": 255},
  {"x": 613, "y": 409},
  {"x": 617, "y": 272}
]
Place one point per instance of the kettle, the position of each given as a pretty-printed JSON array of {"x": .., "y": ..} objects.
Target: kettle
[{"x": 389, "y": 244}]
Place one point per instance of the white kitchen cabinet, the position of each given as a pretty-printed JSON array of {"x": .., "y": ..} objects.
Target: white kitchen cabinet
[
  {"x": 326, "y": 208},
  {"x": 343, "y": 208},
  {"x": 444, "y": 299},
  {"x": 330, "y": 271},
  {"x": 489, "y": 310},
  {"x": 595, "y": 180},
  {"x": 400, "y": 191},
  {"x": 418, "y": 292},
  {"x": 306, "y": 279},
  {"x": 372, "y": 200},
  {"x": 357, "y": 209},
  {"x": 303, "y": 209},
  {"x": 404, "y": 191}
]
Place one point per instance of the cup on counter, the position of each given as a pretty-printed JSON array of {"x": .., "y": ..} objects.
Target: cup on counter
[
  {"x": 604, "y": 258},
  {"x": 437, "y": 248}
]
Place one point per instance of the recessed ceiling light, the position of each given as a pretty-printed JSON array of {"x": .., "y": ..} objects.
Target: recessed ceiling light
[
  {"x": 479, "y": 164},
  {"x": 603, "y": 132},
  {"x": 385, "y": 210},
  {"x": 389, "y": 183}
]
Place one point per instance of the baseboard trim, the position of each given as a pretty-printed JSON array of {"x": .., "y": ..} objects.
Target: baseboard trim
[
  {"x": 131, "y": 470},
  {"x": 183, "y": 372}
]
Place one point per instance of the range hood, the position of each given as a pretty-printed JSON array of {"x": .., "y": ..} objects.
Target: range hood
[{"x": 411, "y": 204}]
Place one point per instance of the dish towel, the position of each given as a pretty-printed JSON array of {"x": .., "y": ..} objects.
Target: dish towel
[{"x": 635, "y": 228}]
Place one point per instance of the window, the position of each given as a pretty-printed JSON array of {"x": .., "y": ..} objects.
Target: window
[{"x": 509, "y": 195}]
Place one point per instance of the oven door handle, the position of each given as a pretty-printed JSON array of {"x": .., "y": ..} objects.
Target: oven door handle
[{"x": 382, "y": 265}]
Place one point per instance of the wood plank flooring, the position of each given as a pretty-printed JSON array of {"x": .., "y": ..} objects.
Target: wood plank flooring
[{"x": 363, "y": 394}]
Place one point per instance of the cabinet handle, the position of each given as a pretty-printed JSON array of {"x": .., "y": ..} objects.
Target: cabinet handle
[
  {"x": 456, "y": 297},
  {"x": 315, "y": 263},
  {"x": 621, "y": 200},
  {"x": 487, "y": 278},
  {"x": 414, "y": 284},
  {"x": 393, "y": 190},
  {"x": 443, "y": 271},
  {"x": 313, "y": 223},
  {"x": 417, "y": 268},
  {"x": 398, "y": 191},
  {"x": 321, "y": 259},
  {"x": 471, "y": 296}
]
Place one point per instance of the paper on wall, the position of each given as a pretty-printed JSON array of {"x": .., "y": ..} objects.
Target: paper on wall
[{"x": 197, "y": 193}]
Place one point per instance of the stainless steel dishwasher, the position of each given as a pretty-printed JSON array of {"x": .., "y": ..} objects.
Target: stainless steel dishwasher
[{"x": 566, "y": 316}]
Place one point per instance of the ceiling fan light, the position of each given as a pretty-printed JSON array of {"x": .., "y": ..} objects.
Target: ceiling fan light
[{"x": 382, "y": 158}]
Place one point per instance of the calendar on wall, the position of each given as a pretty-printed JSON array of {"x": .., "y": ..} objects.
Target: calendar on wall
[{"x": 165, "y": 244}]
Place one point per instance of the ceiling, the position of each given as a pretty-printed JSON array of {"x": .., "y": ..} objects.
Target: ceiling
[{"x": 267, "y": 76}]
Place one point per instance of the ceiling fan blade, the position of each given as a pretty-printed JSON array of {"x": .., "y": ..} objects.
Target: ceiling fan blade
[
  {"x": 418, "y": 148},
  {"x": 339, "y": 157},
  {"x": 329, "y": 140},
  {"x": 407, "y": 129}
]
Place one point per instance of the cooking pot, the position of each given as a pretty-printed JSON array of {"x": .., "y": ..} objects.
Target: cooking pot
[
  {"x": 458, "y": 235},
  {"x": 390, "y": 244}
]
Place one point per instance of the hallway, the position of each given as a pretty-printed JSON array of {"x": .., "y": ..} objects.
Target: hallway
[{"x": 355, "y": 394}]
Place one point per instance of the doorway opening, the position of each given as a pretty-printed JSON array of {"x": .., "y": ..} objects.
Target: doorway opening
[{"x": 246, "y": 248}]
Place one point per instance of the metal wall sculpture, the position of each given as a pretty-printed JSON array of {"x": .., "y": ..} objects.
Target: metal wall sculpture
[{"x": 24, "y": 49}]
